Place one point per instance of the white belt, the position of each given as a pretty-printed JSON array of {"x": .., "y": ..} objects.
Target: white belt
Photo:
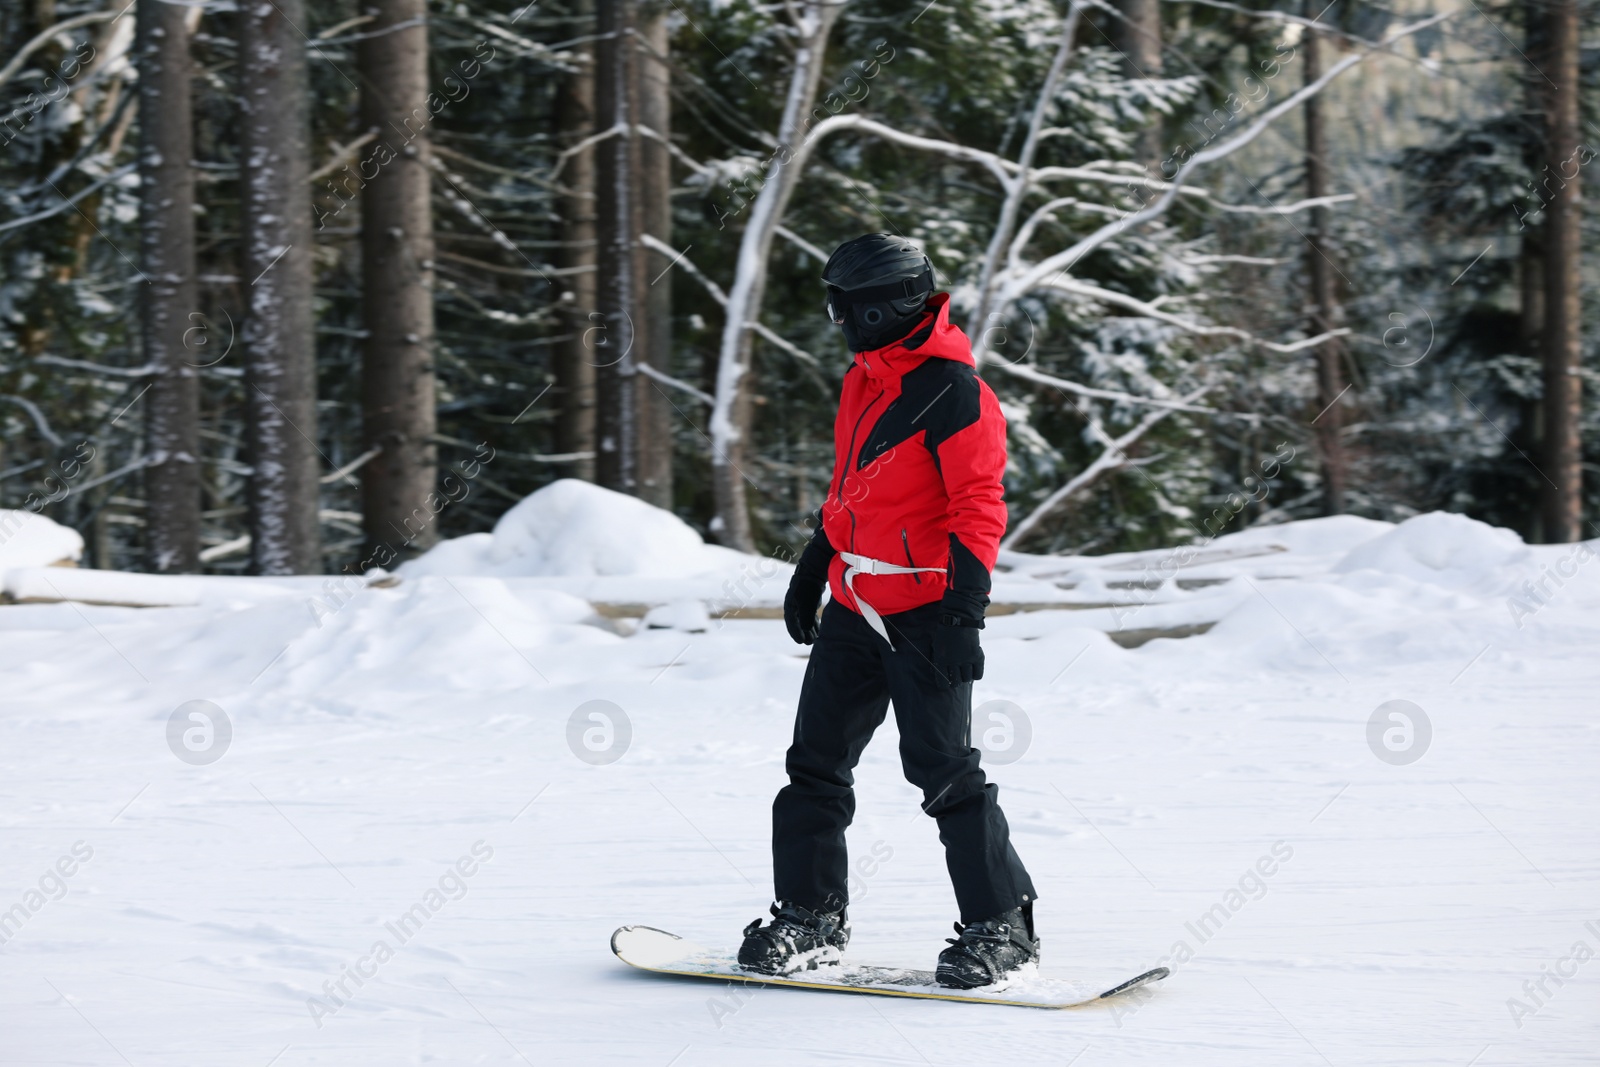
[{"x": 856, "y": 564}]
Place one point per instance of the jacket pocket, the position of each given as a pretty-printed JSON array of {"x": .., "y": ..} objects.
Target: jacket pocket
[{"x": 906, "y": 543}]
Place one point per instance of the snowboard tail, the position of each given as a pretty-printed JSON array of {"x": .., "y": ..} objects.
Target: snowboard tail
[{"x": 650, "y": 949}]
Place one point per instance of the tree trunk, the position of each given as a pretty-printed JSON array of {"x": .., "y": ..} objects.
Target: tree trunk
[
  {"x": 1325, "y": 308},
  {"x": 397, "y": 381},
  {"x": 279, "y": 340},
  {"x": 655, "y": 193},
  {"x": 166, "y": 238},
  {"x": 1530, "y": 339},
  {"x": 617, "y": 342},
  {"x": 574, "y": 362},
  {"x": 1138, "y": 38},
  {"x": 730, "y": 414},
  {"x": 1562, "y": 509}
]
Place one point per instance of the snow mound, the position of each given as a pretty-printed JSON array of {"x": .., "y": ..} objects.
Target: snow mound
[
  {"x": 1444, "y": 549},
  {"x": 1333, "y": 533},
  {"x": 28, "y": 539},
  {"x": 572, "y": 528},
  {"x": 688, "y": 615}
]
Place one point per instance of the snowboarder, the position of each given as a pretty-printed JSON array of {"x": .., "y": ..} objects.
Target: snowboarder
[{"x": 905, "y": 542}]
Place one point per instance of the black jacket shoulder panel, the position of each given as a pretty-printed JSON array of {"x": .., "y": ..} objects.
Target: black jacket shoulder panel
[
  {"x": 939, "y": 398},
  {"x": 957, "y": 404}
]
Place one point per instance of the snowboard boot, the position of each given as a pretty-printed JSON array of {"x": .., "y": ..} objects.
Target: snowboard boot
[
  {"x": 796, "y": 939},
  {"x": 988, "y": 952}
]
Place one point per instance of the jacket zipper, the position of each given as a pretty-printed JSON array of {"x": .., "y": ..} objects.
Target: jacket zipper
[
  {"x": 849, "y": 458},
  {"x": 906, "y": 541},
  {"x": 850, "y": 453}
]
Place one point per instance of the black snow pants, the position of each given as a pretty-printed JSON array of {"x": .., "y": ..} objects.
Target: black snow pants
[{"x": 852, "y": 677}]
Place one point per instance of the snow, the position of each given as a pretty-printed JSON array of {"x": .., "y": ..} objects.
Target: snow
[
  {"x": 1451, "y": 551},
  {"x": 99, "y": 587},
  {"x": 481, "y": 772},
  {"x": 575, "y": 528},
  {"x": 688, "y": 614},
  {"x": 28, "y": 539}
]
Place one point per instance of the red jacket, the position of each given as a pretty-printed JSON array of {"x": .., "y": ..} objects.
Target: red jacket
[{"x": 919, "y": 453}]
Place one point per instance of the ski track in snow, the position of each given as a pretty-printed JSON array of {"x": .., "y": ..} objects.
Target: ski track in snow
[{"x": 373, "y": 749}]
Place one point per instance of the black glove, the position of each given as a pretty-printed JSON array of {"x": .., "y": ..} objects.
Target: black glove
[
  {"x": 800, "y": 608},
  {"x": 805, "y": 588},
  {"x": 957, "y": 656}
]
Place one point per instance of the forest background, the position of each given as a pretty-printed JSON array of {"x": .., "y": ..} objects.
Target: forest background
[{"x": 301, "y": 288}]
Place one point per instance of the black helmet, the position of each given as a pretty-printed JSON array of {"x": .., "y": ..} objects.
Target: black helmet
[{"x": 878, "y": 286}]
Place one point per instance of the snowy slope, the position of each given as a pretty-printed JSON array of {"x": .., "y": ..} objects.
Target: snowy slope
[{"x": 416, "y": 765}]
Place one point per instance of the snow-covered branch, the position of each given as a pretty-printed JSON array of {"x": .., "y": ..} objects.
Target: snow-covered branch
[
  {"x": 1039, "y": 377},
  {"x": 1255, "y": 261},
  {"x": 677, "y": 383},
  {"x": 1001, "y": 168},
  {"x": 354, "y": 465},
  {"x": 721, "y": 297},
  {"x": 507, "y": 172},
  {"x": 1074, "y": 287},
  {"x": 1290, "y": 18},
  {"x": 1064, "y": 260},
  {"x": 340, "y": 153},
  {"x": 1046, "y": 211},
  {"x": 788, "y": 346},
  {"x": 801, "y": 243},
  {"x": 588, "y": 142},
  {"x": 97, "y": 368},
  {"x": 1114, "y": 456},
  {"x": 1017, "y": 188},
  {"x": 1286, "y": 209},
  {"x": 43, "y": 37},
  {"x": 655, "y": 244},
  {"x": 68, "y": 203},
  {"x": 37, "y": 416}
]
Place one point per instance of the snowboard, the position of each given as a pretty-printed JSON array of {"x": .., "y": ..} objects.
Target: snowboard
[{"x": 650, "y": 949}]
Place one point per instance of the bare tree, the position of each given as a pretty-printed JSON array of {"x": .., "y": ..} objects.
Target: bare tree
[
  {"x": 1017, "y": 188},
  {"x": 166, "y": 232},
  {"x": 397, "y": 374},
  {"x": 1008, "y": 273},
  {"x": 1563, "y": 310},
  {"x": 574, "y": 362},
  {"x": 730, "y": 414},
  {"x": 279, "y": 339},
  {"x": 1325, "y": 313},
  {"x": 654, "y": 348}
]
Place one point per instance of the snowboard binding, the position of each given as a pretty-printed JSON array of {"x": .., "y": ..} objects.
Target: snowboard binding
[
  {"x": 796, "y": 939},
  {"x": 989, "y": 952}
]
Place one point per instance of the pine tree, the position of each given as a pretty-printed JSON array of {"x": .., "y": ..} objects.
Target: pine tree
[
  {"x": 397, "y": 370},
  {"x": 655, "y": 410},
  {"x": 574, "y": 360},
  {"x": 276, "y": 262},
  {"x": 618, "y": 224},
  {"x": 1325, "y": 312},
  {"x": 166, "y": 217},
  {"x": 1559, "y": 183}
]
